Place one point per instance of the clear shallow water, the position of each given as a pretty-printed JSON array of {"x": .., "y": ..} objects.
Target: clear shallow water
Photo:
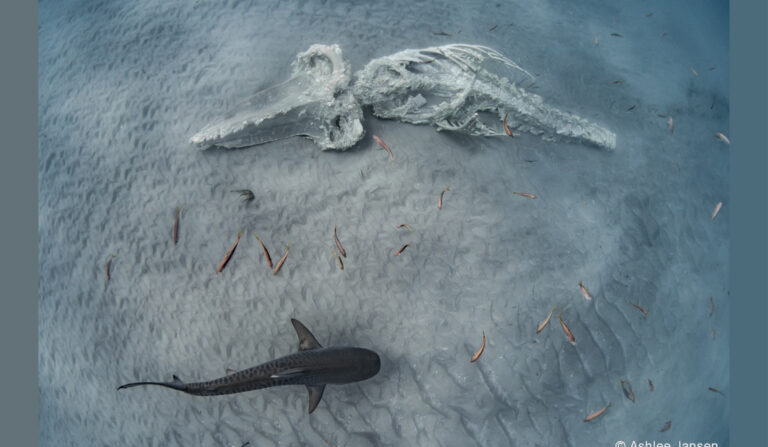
[{"x": 123, "y": 87}]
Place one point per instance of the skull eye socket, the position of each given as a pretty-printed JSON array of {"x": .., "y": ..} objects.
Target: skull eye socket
[
  {"x": 413, "y": 67},
  {"x": 321, "y": 63},
  {"x": 336, "y": 130}
]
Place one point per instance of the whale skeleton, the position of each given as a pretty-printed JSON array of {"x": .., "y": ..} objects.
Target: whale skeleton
[{"x": 452, "y": 87}]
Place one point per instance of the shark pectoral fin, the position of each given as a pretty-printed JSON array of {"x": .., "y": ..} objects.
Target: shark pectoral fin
[
  {"x": 315, "y": 394},
  {"x": 176, "y": 380},
  {"x": 306, "y": 339}
]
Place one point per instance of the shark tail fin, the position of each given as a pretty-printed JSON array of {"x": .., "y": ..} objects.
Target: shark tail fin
[{"x": 177, "y": 384}]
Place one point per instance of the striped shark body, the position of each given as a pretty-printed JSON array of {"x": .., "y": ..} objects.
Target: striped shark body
[{"x": 312, "y": 366}]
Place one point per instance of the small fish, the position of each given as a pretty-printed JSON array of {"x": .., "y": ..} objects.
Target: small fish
[
  {"x": 524, "y": 194},
  {"x": 441, "y": 33},
  {"x": 714, "y": 334},
  {"x": 713, "y": 105},
  {"x": 631, "y": 108},
  {"x": 662, "y": 35},
  {"x": 694, "y": 72},
  {"x": 109, "y": 262},
  {"x": 176, "y": 226},
  {"x": 666, "y": 427},
  {"x": 401, "y": 249},
  {"x": 618, "y": 81},
  {"x": 264, "y": 248},
  {"x": 616, "y": 35},
  {"x": 479, "y": 351},
  {"x": 229, "y": 254},
  {"x": 715, "y": 390},
  {"x": 282, "y": 260},
  {"x": 338, "y": 244},
  {"x": 717, "y": 210},
  {"x": 711, "y": 306},
  {"x": 492, "y": 28},
  {"x": 711, "y": 68},
  {"x": 649, "y": 14},
  {"x": 566, "y": 330},
  {"x": 544, "y": 323},
  {"x": 341, "y": 264},
  {"x": 671, "y": 123},
  {"x": 650, "y": 385},
  {"x": 645, "y": 312},
  {"x": 597, "y": 42},
  {"x": 506, "y": 127},
  {"x": 585, "y": 292},
  {"x": 384, "y": 145},
  {"x": 405, "y": 226},
  {"x": 440, "y": 200},
  {"x": 596, "y": 413},
  {"x": 627, "y": 388},
  {"x": 245, "y": 194},
  {"x": 723, "y": 138}
]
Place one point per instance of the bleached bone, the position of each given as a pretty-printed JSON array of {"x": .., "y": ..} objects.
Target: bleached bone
[
  {"x": 450, "y": 87},
  {"x": 315, "y": 102}
]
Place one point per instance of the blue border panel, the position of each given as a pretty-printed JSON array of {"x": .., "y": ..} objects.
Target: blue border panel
[
  {"x": 18, "y": 195},
  {"x": 748, "y": 223}
]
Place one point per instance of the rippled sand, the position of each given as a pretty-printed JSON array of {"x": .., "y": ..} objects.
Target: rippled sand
[{"x": 123, "y": 86}]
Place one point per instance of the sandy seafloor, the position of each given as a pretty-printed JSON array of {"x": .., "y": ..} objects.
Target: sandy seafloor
[{"x": 124, "y": 85}]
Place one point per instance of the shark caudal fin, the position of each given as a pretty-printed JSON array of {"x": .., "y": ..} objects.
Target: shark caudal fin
[
  {"x": 177, "y": 384},
  {"x": 315, "y": 394},
  {"x": 306, "y": 339}
]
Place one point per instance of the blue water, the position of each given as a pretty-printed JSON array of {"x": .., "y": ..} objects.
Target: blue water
[{"x": 124, "y": 85}]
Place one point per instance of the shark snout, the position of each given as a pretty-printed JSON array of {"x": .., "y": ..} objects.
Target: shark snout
[{"x": 371, "y": 364}]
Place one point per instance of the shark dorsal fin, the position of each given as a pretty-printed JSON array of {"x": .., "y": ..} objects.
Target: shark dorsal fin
[
  {"x": 315, "y": 394},
  {"x": 306, "y": 339}
]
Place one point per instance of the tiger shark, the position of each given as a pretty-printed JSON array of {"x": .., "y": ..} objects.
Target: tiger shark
[{"x": 312, "y": 366}]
